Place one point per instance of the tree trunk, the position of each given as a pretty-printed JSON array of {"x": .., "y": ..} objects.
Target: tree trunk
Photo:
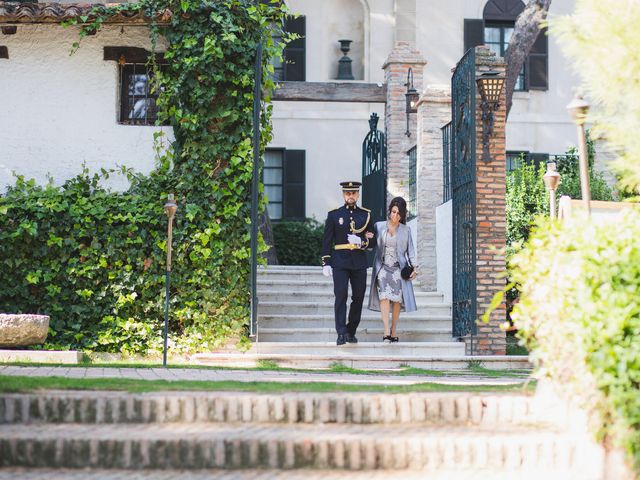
[
  {"x": 267, "y": 234},
  {"x": 524, "y": 36}
]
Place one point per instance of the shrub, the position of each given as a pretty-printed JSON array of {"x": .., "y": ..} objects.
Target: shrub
[
  {"x": 579, "y": 314},
  {"x": 298, "y": 243}
]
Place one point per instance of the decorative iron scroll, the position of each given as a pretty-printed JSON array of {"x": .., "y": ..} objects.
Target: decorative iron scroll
[{"x": 463, "y": 189}]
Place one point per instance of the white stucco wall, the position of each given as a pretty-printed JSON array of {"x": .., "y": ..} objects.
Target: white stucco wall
[
  {"x": 58, "y": 111},
  {"x": 444, "y": 249}
]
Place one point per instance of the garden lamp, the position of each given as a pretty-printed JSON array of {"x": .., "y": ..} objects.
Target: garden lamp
[
  {"x": 579, "y": 108},
  {"x": 490, "y": 86},
  {"x": 170, "y": 208},
  {"x": 411, "y": 98},
  {"x": 551, "y": 179}
]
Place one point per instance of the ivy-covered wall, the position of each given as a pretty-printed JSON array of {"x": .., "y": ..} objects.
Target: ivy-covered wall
[{"x": 94, "y": 259}]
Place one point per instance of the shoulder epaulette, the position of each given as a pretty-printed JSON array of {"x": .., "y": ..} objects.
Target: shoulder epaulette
[{"x": 365, "y": 209}]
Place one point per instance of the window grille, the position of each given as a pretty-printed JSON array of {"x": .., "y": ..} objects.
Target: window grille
[{"x": 138, "y": 95}]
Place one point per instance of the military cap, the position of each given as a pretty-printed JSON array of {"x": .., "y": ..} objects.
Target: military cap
[{"x": 350, "y": 186}]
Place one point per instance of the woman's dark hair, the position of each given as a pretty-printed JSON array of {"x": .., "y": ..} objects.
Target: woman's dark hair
[{"x": 402, "y": 208}]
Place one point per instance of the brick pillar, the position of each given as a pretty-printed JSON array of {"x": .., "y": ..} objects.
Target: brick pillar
[
  {"x": 434, "y": 111},
  {"x": 395, "y": 69},
  {"x": 490, "y": 218}
]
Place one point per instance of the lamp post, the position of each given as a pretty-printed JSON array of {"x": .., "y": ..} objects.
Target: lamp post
[
  {"x": 411, "y": 98},
  {"x": 578, "y": 108},
  {"x": 170, "y": 208},
  {"x": 551, "y": 179},
  {"x": 490, "y": 86}
]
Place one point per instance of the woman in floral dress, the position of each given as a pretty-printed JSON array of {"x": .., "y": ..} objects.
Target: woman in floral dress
[{"x": 394, "y": 249}]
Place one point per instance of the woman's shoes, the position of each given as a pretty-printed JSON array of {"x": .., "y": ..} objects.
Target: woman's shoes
[{"x": 390, "y": 339}]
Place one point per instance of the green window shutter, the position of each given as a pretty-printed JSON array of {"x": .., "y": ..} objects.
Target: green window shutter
[
  {"x": 539, "y": 63},
  {"x": 473, "y": 33},
  {"x": 294, "y": 53},
  {"x": 293, "y": 185}
]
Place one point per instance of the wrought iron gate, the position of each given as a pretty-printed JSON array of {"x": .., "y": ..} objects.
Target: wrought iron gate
[
  {"x": 463, "y": 183},
  {"x": 374, "y": 173},
  {"x": 374, "y": 170}
]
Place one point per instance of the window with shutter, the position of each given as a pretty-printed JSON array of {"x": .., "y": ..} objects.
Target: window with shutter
[
  {"x": 539, "y": 63},
  {"x": 284, "y": 183},
  {"x": 292, "y": 68},
  {"x": 293, "y": 185},
  {"x": 497, "y": 36},
  {"x": 473, "y": 33},
  {"x": 494, "y": 30}
]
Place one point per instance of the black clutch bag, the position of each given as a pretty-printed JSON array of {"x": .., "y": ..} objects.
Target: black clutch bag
[{"x": 407, "y": 271}]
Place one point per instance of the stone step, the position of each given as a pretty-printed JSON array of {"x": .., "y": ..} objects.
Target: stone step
[
  {"x": 429, "y": 408},
  {"x": 240, "y": 445},
  {"x": 293, "y": 474},
  {"x": 328, "y": 334},
  {"x": 327, "y": 296},
  {"x": 311, "y": 307},
  {"x": 369, "y": 320},
  {"x": 322, "y": 284},
  {"x": 363, "y": 362},
  {"x": 406, "y": 349}
]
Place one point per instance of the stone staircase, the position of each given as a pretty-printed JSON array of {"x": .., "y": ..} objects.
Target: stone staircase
[
  {"x": 290, "y": 435},
  {"x": 296, "y": 306},
  {"x": 296, "y": 329}
]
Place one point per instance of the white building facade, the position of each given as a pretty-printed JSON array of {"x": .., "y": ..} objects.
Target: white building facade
[{"x": 60, "y": 111}]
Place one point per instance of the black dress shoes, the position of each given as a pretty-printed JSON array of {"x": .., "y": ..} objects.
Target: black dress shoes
[
  {"x": 342, "y": 339},
  {"x": 351, "y": 338}
]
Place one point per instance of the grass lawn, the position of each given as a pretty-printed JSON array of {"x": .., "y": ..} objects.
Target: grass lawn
[
  {"x": 10, "y": 384},
  {"x": 268, "y": 365}
]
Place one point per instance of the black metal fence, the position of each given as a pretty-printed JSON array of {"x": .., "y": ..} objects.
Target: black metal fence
[{"x": 446, "y": 162}]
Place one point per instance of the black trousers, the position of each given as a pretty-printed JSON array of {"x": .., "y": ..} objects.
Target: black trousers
[{"x": 341, "y": 279}]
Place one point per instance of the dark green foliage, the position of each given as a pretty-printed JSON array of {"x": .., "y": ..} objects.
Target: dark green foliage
[
  {"x": 298, "y": 243},
  {"x": 94, "y": 260},
  {"x": 527, "y": 197}
]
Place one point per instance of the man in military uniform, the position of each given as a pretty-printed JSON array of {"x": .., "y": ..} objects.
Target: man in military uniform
[{"x": 349, "y": 229}]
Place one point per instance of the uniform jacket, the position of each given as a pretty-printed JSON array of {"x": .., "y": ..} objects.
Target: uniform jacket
[
  {"x": 404, "y": 250},
  {"x": 340, "y": 223}
]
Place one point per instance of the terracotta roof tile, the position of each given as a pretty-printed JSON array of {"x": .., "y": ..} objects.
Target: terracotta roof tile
[{"x": 12, "y": 13}]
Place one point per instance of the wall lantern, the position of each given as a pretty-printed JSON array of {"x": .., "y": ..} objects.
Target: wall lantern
[
  {"x": 411, "y": 97},
  {"x": 490, "y": 85},
  {"x": 578, "y": 109},
  {"x": 170, "y": 208},
  {"x": 551, "y": 180}
]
